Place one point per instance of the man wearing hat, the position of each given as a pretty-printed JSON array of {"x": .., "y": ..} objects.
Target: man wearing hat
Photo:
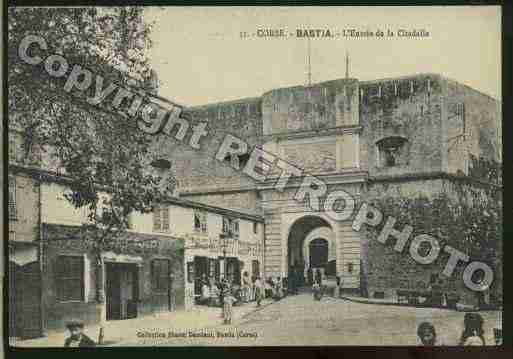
[{"x": 77, "y": 338}]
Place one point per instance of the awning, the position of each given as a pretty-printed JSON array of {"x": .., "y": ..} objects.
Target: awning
[
  {"x": 23, "y": 254},
  {"x": 121, "y": 258}
]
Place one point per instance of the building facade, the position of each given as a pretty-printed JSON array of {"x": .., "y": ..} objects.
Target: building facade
[
  {"x": 403, "y": 137},
  {"x": 57, "y": 273}
]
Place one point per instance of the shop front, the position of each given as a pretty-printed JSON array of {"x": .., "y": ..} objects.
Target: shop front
[
  {"x": 132, "y": 276},
  {"x": 211, "y": 259}
]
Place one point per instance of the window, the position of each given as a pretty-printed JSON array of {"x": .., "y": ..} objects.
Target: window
[
  {"x": 226, "y": 225},
  {"x": 235, "y": 228},
  {"x": 255, "y": 227},
  {"x": 237, "y": 161},
  {"x": 231, "y": 227},
  {"x": 392, "y": 151},
  {"x": 12, "y": 198},
  {"x": 161, "y": 219},
  {"x": 255, "y": 268},
  {"x": 190, "y": 272},
  {"x": 212, "y": 271},
  {"x": 70, "y": 278},
  {"x": 350, "y": 267},
  {"x": 160, "y": 275},
  {"x": 200, "y": 221}
]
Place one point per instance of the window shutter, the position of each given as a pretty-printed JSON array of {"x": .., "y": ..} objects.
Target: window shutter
[
  {"x": 204, "y": 223},
  {"x": 153, "y": 275},
  {"x": 12, "y": 198},
  {"x": 225, "y": 225},
  {"x": 165, "y": 219},
  {"x": 197, "y": 222},
  {"x": 218, "y": 269},
  {"x": 157, "y": 226}
]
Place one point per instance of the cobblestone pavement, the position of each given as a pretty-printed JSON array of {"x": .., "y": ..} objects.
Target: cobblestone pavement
[{"x": 298, "y": 320}]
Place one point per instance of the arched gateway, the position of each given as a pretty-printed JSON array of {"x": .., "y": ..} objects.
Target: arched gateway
[{"x": 311, "y": 244}]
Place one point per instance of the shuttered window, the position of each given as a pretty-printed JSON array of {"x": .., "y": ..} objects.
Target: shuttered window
[
  {"x": 212, "y": 268},
  {"x": 160, "y": 275},
  {"x": 200, "y": 221},
  {"x": 70, "y": 278},
  {"x": 235, "y": 228},
  {"x": 12, "y": 198},
  {"x": 161, "y": 219}
]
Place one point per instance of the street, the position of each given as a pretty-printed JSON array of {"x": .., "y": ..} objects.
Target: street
[
  {"x": 299, "y": 320},
  {"x": 295, "y": 320}
]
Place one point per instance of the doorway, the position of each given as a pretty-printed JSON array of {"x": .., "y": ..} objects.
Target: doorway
[
  {"x": 25, "y": 300},
  {"x": 121, "y": 290},
  {"x": 318, "y": 253}
]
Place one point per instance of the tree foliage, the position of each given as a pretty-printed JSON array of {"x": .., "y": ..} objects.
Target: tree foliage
[{"x": 98, "y": 148}]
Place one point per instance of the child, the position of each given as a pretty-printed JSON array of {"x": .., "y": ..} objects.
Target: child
[
  {"x": 77, "y": 338},
  {"x": 228, "y": 307},
  {"x": 427, "y": 334},
  {"x": 317, "y": 291}
]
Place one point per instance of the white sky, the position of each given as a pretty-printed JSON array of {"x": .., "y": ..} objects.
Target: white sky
[{"x": 200, "y": 58}]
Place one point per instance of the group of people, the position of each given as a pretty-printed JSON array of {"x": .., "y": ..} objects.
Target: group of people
[
  {"x": 472, "y": 334},
  {"x": 225, "y": 293},
  {"x": 213, "y": 292}
]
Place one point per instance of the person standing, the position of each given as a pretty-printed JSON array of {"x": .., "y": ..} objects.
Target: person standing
[
  {"x": 309, "y": 274},
  {"x": 473, "y": 330},
  {"x": 245, "y": 287},
  {"x": 259, "y": 291},
  {"x": 228, "y": 307},
  {"x": 317, "y": 293},
  {"x": 336, "y": 291},
  {"x": 318, "y": 276}
]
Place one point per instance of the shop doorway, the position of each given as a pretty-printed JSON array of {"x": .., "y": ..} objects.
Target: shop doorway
[
  {"x": 122, "y": 285},
  {"x": 201, "y": 269},
  {"x": 233, "y": 270},
  {"x": 25, "y": 300}
]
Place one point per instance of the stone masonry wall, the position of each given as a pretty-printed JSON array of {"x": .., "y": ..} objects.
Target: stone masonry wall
[
  {"x": 408, "y": 107},
  {"x": 387, "y": 270},
  {"x": 474, "y": 129}
]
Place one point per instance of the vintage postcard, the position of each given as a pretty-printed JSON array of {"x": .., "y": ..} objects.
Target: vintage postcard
[{"x": 254, "y": 176}]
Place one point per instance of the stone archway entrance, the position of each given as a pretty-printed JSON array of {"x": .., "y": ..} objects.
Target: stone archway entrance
[{"x": 311, "y": 244}]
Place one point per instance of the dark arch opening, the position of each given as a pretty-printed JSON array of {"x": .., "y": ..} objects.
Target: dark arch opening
[
  {"x": 297, "y": 235},
  {"x": 318, "y": 249}
]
